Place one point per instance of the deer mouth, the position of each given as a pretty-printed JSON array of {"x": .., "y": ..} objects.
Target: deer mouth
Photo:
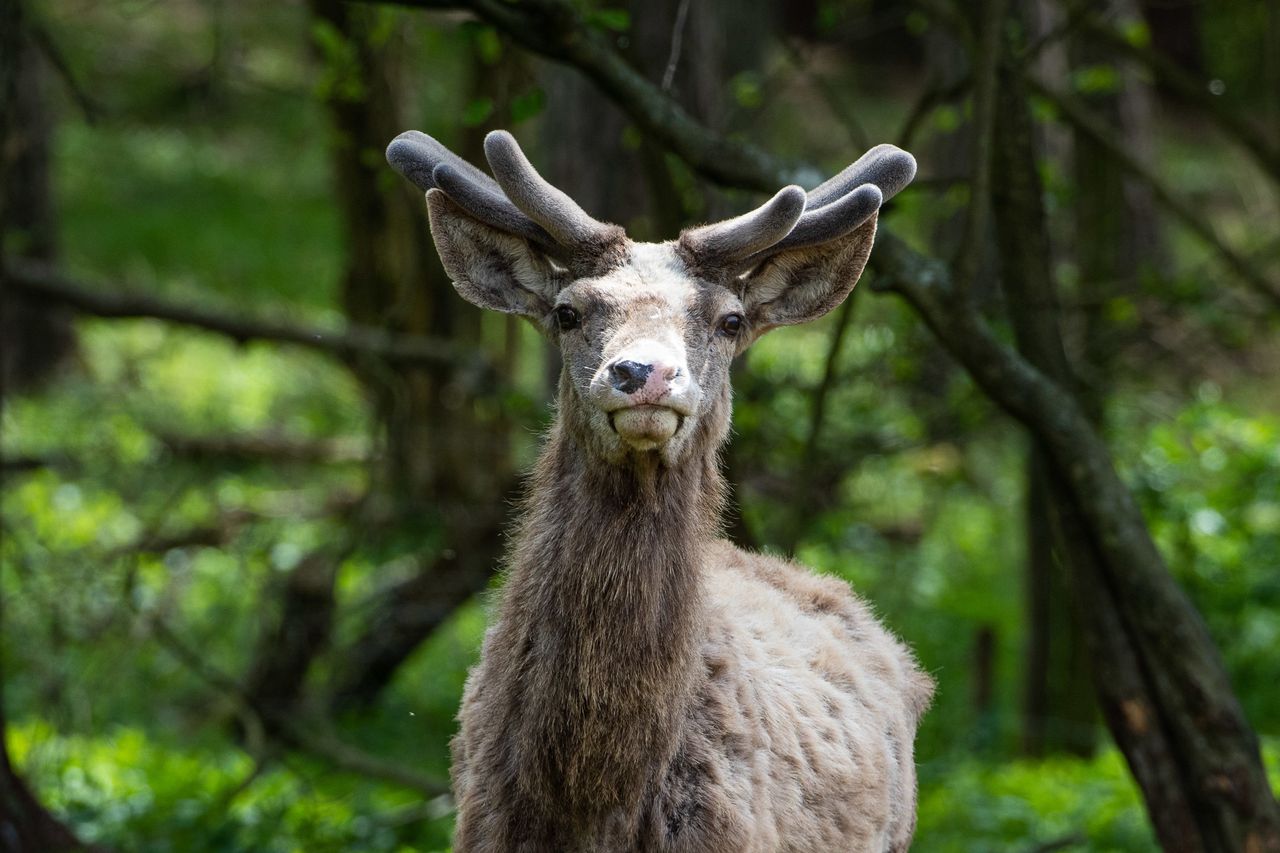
[{"x": 646, "y": 427}]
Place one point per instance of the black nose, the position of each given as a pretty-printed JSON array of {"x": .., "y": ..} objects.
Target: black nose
[{"x": 629, "y": 376}]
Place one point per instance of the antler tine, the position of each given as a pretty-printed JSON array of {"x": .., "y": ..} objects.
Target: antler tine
[
  {"x": 416, "y": 155},
  {"x": 546, "y": 205},
  {"x": 487, "y": 203},
  {"x": 831, "y": 222},
  {"x": 430, "y": 165},
  {"x": 886, "y": 166},
  {"x": 723, "y": 243},
  {"x": 844, "y": 203}
]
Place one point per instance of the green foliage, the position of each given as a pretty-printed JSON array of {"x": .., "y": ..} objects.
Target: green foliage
[
  {"x": 528, "y": 105},
  {"x": 746, "y": 88},
  {"x": 1209, "y": 481},
  {"x": 130, "y": 790},
  {"x": 484, "y": 40},
  {"x": 615, "y": 20},
  {"x": 1096, "y": 79},
  {"x": 1084, "y": 805},
  {"x": 477, "y": 111}
]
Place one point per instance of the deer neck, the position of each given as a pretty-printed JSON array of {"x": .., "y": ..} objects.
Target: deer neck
[{"x": 601, "y": 617}]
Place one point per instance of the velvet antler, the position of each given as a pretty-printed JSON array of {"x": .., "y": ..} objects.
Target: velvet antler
[
  {"x": 794, "y": 220},
  {"x": 519, "y": 202}
]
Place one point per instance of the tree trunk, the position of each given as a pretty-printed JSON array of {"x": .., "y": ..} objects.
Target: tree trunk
[
  {"x": 300, "y": 632},
  {"x": 1059, "y": 713},
  {"x": 35, "y": 337},
  {"x": 25, "y": 825},
  {"x": 432, "y": 433},
  {"x": 445, "y": 461},
  {"x": 1160, "y": 681}
]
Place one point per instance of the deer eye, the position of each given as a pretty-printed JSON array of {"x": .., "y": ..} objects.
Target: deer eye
[
  {"x": 731, "y": 325},
  {"x": 567, "y": 318}
]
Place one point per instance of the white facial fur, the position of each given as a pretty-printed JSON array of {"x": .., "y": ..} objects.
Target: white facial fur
[{"x": 650, "y": 312}]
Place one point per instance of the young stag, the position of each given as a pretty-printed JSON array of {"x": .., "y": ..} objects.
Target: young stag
[{"x": 647, "y": 685}]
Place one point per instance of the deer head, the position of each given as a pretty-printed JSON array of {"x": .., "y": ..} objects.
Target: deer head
[{"x": 647, "y": 330}]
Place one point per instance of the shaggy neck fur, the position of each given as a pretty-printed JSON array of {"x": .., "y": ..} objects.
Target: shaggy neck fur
[{"x": 598, "y": 633}]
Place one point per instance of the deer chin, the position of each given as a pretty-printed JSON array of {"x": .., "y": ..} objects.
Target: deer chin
[{"x": 645, "y": 427}]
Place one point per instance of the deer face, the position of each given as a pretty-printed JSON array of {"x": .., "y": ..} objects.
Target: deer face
[
  {"x": 647, "y": 331},
  {"x": 646, "y": 349}
]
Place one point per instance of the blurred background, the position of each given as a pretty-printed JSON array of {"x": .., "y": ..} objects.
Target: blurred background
[{"x": 258, "y": 456}]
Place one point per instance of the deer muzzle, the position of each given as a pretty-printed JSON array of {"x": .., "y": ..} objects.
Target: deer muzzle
[{"x": 646, "y": 392}]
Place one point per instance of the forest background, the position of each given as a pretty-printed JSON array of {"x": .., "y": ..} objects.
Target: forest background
[{"x": 258, "y": 456}]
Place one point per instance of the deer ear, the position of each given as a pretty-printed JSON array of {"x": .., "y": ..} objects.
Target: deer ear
[
  {"x": 491, "y": 268},
  {"x": 799, "y": 285}
]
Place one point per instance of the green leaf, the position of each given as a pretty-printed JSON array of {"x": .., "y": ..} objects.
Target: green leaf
[
  {"x": 618, "y": 20},
  {"x": 946, "y": 118},
  {"x": 1121, "y": 311},
  {"x": 917, "y": 23},
  {"x": 527, "y": 105},
  {"x": 477, "y": 111},
  {"x": 488, "y": 45},
  {"x": 1096, "y": 79},
  {"x": 1136, "y": 33},
  {"x": 747, "y": 90}
]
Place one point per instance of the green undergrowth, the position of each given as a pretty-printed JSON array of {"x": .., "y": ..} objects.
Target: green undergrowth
[{"x": 137, "y": 791}]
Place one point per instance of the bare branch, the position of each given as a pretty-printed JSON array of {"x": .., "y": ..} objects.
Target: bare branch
[
  {"x": 263, "y": 448},
  {"x": 42, "y": 282},
  {"x": 857, "y": 134},
  {"x": 556, "y": 29},
  {"x": 89, "y": 106},
  {"x": 677, "y": 42},
  {"x": 930, "y": 98}
]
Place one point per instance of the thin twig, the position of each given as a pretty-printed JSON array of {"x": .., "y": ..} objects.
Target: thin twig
[
  {"x": 677, "y": 42},
  {"x": 818, "y": 409},
  {"x": 931, "y": 97},
  {"x": 852, "y": 127},
  {"x": 821, "y": 394},
  {"x": 1077, "y": 16}
]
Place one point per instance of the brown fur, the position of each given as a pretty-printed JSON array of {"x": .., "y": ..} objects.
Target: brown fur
[{"x": 646, "y": 685}]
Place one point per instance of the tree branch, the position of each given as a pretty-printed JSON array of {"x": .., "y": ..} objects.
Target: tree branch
[
  {"x": 41, "y": 282},
  {"x": 830, "y": 95},
  {"x": 89, "y": 107},
  {"x": 266, "y": 448},
  {"x": 1195, "y": 92},
  {"x": 1083, "y": 119},
  {"x": 307, "y": 738},
  {"x": 555, "y": 29}
]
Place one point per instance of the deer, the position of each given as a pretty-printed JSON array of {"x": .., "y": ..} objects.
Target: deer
[{"x": 644, "y": 684}]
